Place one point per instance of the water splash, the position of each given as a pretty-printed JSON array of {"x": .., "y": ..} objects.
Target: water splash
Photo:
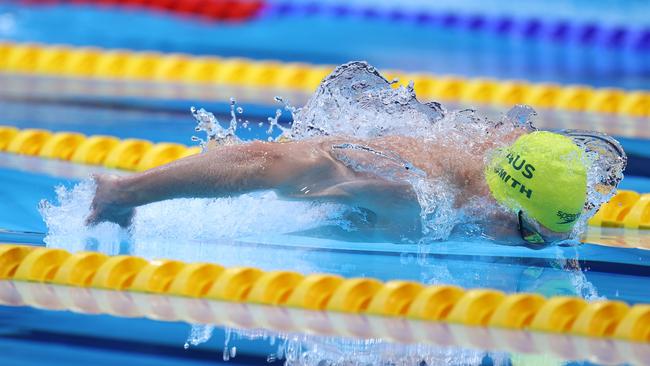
[
  {"x": 65, "y": 220},
  {"x": 199, "y": 333},
  {"x": 607, "y": 161},
  {"x": 216, "y": 134},
  {"x": 356, "y": 103},
  {"x": 226, "y": 344},
  {"x": 274, "y": 122},
  {"x": 579, "y": 283},
  {"x": 313, "y": 350},
  {"x": 158, "y": 230}
]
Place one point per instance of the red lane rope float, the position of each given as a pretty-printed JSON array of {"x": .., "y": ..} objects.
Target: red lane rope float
[{"x": 222, "y": 10}]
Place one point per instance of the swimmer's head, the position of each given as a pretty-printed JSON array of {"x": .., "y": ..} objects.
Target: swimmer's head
[{"x": 542, "y": 175}]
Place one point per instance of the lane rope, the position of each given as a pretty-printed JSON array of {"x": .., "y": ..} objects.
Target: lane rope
[
  {"x": 215, "y": 10},
  {"x": 283, "y": 320},
  {"x": 108, "y": 151},
  {"x": 516, "y": 26},
  {"x": 327, "y": 292},
  {"x": 511, "y": 25},
  {"x": 95, "y": 63}
]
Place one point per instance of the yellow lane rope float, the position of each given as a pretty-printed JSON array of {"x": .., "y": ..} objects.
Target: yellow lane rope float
[
  {"x": 397, "y": 298},
  {"x": 270, "y": 319},
  {"x": 95, "y": 63},
  {"x": 109, "y": 151},
  {"x": 627, "y": 209}
]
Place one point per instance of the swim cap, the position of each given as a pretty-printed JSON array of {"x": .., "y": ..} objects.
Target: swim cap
[{"x": 545, "y": 175}]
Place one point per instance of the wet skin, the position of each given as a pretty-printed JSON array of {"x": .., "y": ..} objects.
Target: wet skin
[{"x": 312, "y": 170}]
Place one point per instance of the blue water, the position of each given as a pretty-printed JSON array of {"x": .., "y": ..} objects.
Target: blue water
[
  {"x": 26, "y": 181},
  {"x": 331, "y": 40},
  {"x": 600, "y": 271},
  {"x": 30, "y": 336}
]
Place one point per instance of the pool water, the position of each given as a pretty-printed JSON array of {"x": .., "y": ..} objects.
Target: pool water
[
  {"x": 590, "y": 271},
  {"x": 383, "y": 43},
  {"x": 82, "y": 326}
]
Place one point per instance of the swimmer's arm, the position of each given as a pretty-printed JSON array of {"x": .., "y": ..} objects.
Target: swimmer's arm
[{"x": 219, "y": 172}]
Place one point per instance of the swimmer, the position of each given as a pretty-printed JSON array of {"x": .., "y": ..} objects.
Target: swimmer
[{"x": 538, "y": 178}]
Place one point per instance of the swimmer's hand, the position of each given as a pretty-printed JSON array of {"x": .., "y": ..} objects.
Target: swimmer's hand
[{"x": 107, "y": 204}]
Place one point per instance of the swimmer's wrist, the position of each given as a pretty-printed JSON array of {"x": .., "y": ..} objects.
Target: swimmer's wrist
[
  {"x": 124, "y": 194},
  {"x": 137, "y": 190}
]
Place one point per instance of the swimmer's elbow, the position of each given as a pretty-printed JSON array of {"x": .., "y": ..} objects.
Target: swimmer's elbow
[
  {"x": 290, "y": 162},
  {"x": 264, "y": 165}
]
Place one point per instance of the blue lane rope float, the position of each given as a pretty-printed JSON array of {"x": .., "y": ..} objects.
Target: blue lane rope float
[
  {"x": 587, "y": 33},
  {"x": 559, "y": 30}
]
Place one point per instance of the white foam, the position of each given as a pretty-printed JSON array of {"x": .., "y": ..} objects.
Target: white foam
[
  {"x": 314, "y": 350},
  {"x": 65, "y": 220},
  {"x": 179, "y": 220},
  {"x": 199, "y": 333}
]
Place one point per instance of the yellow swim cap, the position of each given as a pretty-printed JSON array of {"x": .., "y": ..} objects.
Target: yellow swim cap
[{"x": 545, "y": 175}]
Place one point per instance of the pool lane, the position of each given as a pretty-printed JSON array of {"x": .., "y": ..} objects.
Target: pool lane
[
  {"x": 25, "y": 181},
  {"x": 170, "y": 120},
  {"x": 290, "y": 333},
  {"x": 589, "y": 271},
  {"x": 333, "y": 40}
]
